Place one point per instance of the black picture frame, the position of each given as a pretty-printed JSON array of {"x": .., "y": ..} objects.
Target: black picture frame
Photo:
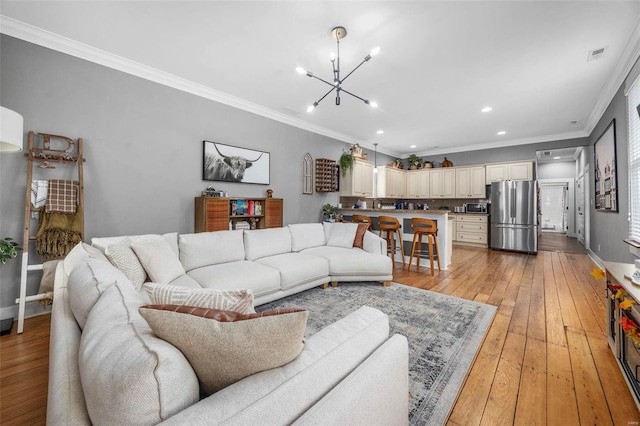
[
  {"x": 606, "y": 170},
  {"x": 228, "y": 163}
]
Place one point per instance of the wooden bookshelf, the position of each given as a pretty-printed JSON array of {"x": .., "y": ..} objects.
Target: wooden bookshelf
[{"x": 215, "y": 213}]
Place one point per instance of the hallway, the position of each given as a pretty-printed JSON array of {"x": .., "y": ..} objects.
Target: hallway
[{"x": 559, "y": 242}]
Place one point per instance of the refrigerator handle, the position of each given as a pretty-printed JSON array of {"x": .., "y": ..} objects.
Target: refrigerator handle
[{"x": 513, "y": 202}]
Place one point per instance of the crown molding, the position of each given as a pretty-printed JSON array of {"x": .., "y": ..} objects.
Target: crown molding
[
  {"x": 629, "y": 57},
  {"x": 50, "y": 40},
  {"x": 504, "y": 144}
]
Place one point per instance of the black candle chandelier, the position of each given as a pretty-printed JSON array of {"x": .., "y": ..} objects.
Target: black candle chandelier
[{"x": 339, "y": 33}]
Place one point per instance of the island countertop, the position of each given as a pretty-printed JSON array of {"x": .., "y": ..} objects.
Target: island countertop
[{"x": 417, "y": 211}]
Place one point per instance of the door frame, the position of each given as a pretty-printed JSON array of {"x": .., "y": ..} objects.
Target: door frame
[{"x": 571, "y": 202}]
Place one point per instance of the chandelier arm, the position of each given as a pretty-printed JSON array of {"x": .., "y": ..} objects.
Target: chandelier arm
[
  {"x": 325, "y": 95},
  {"x": 322, "y": 80},
  {"x": 353, "y": 70},
  {"x": 355, "y": 96}
]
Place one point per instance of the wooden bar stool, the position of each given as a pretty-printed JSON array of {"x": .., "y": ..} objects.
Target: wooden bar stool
[
  {"x": 422, "y": 226},
  {"x": 391, "y": 227},
  {"x": 361, "y": 218}
]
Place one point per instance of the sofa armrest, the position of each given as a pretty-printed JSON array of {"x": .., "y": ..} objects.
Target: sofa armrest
[
  {"x": 374, "y": 244},
  {"x": 374, "y": 393}
]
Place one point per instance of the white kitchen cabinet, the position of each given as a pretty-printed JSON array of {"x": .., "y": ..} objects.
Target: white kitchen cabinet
[
  {"x": 392, "y": 183},
  {"x": 522, "y": 170},
  {"x": 442, "y": 183},
  {"x": 418, "y": 184},
  {"x": 359, "y": 181},
  {"x": 472, "y": 229},
  {"x": 470, "y": 182}
]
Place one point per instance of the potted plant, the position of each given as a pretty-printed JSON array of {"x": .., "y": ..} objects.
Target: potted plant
[
  {"x": 346, "y": 163},
  {"x": 329, "y": 212},
  {"x": 398, "y": 164},
  {"x": 8, "y": 249},
  {"x": 415, "y": 162}
]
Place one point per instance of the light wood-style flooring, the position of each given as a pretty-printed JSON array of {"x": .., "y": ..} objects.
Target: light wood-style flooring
[{"x": 545, "y": 359}]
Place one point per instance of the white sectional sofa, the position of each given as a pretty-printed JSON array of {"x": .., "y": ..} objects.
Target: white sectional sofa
[{"x": 108, "y": 367}]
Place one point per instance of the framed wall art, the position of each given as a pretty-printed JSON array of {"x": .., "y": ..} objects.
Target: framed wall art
[
  {"x": 606, "y": 170},
  {"x": 228, "y": 163}
]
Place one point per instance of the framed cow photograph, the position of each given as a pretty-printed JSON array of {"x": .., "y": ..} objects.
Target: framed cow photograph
[{"x": 228, "y": 163}]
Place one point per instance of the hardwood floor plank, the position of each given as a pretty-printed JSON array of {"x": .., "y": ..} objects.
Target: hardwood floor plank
[
  {"x": 520, "y": 317},
  {"x": 621, "y": 404},
  {"x": 590, "y": 320},
  {"x": 536, "y": 327},
  {"x": 531, "y": 408},
  {"x": 501, "y": 404},
  {"x": 570, "y": 316},
  {"x": 562, "y": 407},
  {"x": 554, "y": 321},
  {"x": 592, "y": 404},
  {"x": 474, "y": 394}
]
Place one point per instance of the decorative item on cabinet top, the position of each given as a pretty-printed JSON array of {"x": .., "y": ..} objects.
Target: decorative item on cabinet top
[{"x": 447, "y": 163}]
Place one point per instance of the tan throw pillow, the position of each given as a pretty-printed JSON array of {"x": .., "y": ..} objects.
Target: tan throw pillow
[
  {"x": 222, "y": 346},
  {"x": 229, "y": 300},
  {"x": 122, "y": 257},
  {"x": 358, "y": 241},
  {"x": 159, "y": 260}
]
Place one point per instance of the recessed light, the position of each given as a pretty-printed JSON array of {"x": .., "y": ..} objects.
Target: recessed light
[
  {"x": 486, "y": 109},
  {"x": 380, "y": 132},
  {"x": 412, "y": 146},
  {"x": 556, "y": 158},
  {"x": 502, "y": 132}
]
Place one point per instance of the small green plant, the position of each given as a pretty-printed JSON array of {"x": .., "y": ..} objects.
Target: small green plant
[
  {"x": 329, "y": 210},
  {"x": 8, "y": 249},
  {"x": 414, "y": 160},
  {"x": 346, "y": 163}
]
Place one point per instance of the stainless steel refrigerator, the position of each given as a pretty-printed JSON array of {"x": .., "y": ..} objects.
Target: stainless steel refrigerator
[{"x": 514, "y": 219}]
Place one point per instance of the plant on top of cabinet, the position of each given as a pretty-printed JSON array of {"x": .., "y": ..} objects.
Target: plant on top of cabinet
[
  {"x": 346, "y": 163},
  {"x": 415, "y": 162}
]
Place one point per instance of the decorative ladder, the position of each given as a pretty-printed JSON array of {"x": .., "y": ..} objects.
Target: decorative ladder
[{"x": 46, "y": 157}]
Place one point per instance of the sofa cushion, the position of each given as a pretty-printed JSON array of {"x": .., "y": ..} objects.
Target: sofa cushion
[
  {"x": 122, "y": 257},
  {"x": 224, "y": 347},
  {"x": 306, "y": 235},
  {"x": 228, "y": 300},
  {"x": 353, "y": 261},
  {"x": 79, "y": 253},
  {"x": 101, "y": 243},
  {"x": 210, "y": 248},
  {"x": 261, "y": 243},
  {"x": 281, "y": 395},
  {"x": 88, "y": 280},
  {"x": 341, "y": 234},
  {"x": 260, "y": 279},
  {"x": 185, "y": 281},
  {"x": 297, "y": 268},
  {"x": 158, "y": 260},
  {"x": 129, "y": 376}
]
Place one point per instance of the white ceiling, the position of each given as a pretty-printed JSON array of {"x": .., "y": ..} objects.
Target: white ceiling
[{"x": 440, "y": 61}]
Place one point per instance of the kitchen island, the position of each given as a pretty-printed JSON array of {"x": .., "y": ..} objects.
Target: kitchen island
[{"x": 441, "y": 217}]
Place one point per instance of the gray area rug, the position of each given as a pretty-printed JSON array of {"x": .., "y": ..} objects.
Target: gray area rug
[{"x": 444, "y": 335}]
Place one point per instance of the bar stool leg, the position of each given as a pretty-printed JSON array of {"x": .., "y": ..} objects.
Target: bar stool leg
[
  {"x": 391, "y": 240},
  {"x": 413, "y": 250},
  {"x": 419, "y": 251},
  {"x": 430, "y": 253},
  {"x": 401, "y": 245},
  {"x": 435, "y": 240}
]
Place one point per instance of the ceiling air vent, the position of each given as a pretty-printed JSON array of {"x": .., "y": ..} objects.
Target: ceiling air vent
[
  {"x": 546, "y": 153},
  {"x": 595, "y": 54}
]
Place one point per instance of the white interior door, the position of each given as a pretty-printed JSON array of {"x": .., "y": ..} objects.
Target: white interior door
[{"x": 553, "y": 203}]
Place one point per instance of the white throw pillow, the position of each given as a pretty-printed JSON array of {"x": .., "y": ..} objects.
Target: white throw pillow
[
  {"x": 122, "y": 257},
  {"x": 79, "y": 253},
  {"x": 229, "y": 300},
  {"x": 158, "y": 260},
  {"x": 342, "y": 235}
]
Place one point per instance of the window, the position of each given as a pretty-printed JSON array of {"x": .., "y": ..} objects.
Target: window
[{"x": 633, "y": 111}]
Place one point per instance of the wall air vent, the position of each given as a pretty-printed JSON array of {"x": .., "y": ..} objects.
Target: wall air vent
[
  {"x": 546, "y": 153},
  {"x": 595, "y": 54}
]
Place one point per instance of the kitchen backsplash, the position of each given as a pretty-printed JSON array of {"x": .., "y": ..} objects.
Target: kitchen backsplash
[{"x": 434, "y": 204}]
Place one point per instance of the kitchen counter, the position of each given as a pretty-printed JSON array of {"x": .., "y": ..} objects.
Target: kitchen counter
[
  {"x": 441, "y": 217},
  {"x": 416, "y": 211}
]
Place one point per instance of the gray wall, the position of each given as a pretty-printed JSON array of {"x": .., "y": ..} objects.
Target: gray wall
[
  {"x": 143, "y": 145},
  {"x": 607, "y": 230},
  {"x": 555, "y": 170}
]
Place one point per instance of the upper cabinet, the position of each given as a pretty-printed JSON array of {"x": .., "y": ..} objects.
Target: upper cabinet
[
  {"x": 442, "y": 183},
  {"x": 470, "y": 182},
  {"x": 359, "y": 181},
  {"x": 392, "y": 183},
  {"x": 522, "y": 170},
  {"x": 418, "y": 184}
]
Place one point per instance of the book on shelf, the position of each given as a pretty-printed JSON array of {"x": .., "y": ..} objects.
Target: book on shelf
[
  {"x": 242, "y": 224},
  {"x": 257, "y": 208}
]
